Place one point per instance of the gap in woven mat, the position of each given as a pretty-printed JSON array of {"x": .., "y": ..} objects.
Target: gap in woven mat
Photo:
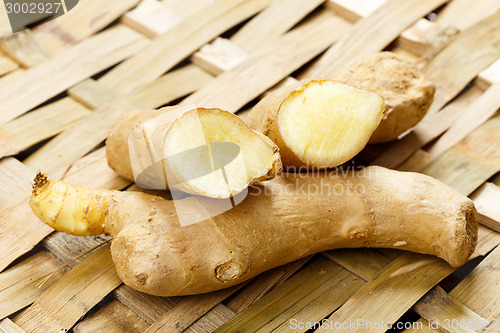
[
  {"x": 103, "y": 72},
  {"x": 229, "y": 33},
  {"x": 105, "y": 301},
  {"x": 300, "y": 70},
  {"x": 99, "y": 146},
  {"x": 39, "y": 247},
  {"x": 452, "y": 280},
  {"x": 407, "y": 321},
  {"x": 432, "y": 15},
  {"x": 26, "y": 153}
]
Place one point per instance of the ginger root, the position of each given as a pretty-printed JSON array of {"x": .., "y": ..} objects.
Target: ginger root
[
  {"x": 407, "y": 94},
  {"x": 200, "y": 151},
  {"x": 287, "y": 218},
  {"x": 318, "y": 123}
]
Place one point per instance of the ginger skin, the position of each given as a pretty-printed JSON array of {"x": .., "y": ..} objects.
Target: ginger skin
[{"x": 274, "y": 225}]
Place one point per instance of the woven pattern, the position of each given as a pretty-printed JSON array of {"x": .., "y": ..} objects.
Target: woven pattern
[{"x": 64, "y": 82}]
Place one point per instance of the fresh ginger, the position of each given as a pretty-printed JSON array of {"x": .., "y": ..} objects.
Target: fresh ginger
[
  {"x": 318, "y": 123},
  {"x": 406, "y": 92},
  {"x": 287, "y": 218},
  {"x": 203, "y": 151}
]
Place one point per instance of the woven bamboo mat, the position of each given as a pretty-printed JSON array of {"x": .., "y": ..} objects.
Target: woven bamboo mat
[{"x": 64, "y": 82}]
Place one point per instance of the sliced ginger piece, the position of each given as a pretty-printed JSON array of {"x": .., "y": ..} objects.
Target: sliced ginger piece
[
  {"x": 319, "y": 123},
  {"x": 408, "y": 95},
  {"x": 200, "y": 151}
]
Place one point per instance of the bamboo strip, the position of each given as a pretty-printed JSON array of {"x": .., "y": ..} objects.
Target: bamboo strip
[
  {"x": 462, "y": 59},
  {"x": 189, "y": 309},
  {"x": 353, "y": 10},
  {"x": 16, "y": 178},
  {"x": 262, "y": 284},
  {"x": 364, "y": 263},
  {"x": 22, "y": 284},
  {"x": 39, "y": 83},
  {"x": 416, "y": 162},
  {"x": 489, "y": 222},
  {"x": 440, "y": 308},
  {"x": 7, "y": 326},
  {"x": 462, "y": 15},
  {"x": 149, "y": 308},
  {"x": 445, "y": 307},
  {"x": 427, "y": 130},
  {"x": 72, "y": 250},
  {"x": 89, "y": 17},
  {"x": 91, "y": 94},
  {"x": 272, "y": 22},
  {"x": 179, "y": 42},
  {"x": 389, "y": 253},
  {"x": 24, "y": 49},
  {"x": 397, "y": 285},
  {"x": 471, "y": 162},
  {"x": 88, "y": 132},
  {"x": 476, "y": 114},
  {"x": 291, "y": 295},
  {"x": 5, "y": 27},
  {"x": 425, "y": 38},
  {"x": 20, "y": 230},
  {"x": 489, "y": 76},
  {"x": 7, "y": 65},
  {"x": 216, "y": 317},
  {"x": 480, "y": 289},
  {"x": 66, "y": 301},
  {"x": 420, "y": 326},
  {"x": 488, "y": 240},
  {"x": 486, "y": 200},
  {"x": 153, "y": 17},
  {"x": 235, "y": 88},
  {"x": 371, "y": 34},
  {"x": 36, "y": 126},
  {"x": 320, "y": 304},
  {"x": 316, "y": 305},
  {"x": 93, "y": 171},
  {"x": 112, "y": 318},
  {"x": 224, "y": 54},
  {"x": 219, "y": 56}
]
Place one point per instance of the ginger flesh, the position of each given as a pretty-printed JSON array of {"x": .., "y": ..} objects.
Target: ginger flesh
[
  {"x": 318, "y": 123},
  {"x": 327, "y": 123},
  {"x": 275, "y": 224},
  {"x": 231, "y": 167}
]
